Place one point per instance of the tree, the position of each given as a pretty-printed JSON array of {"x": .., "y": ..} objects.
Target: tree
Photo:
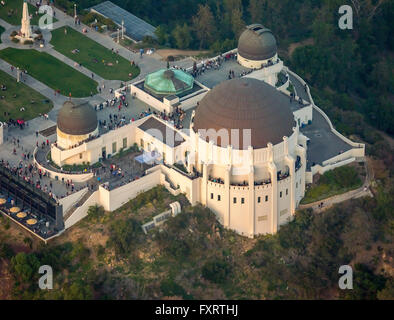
[
  {"x": 182, "y": 36},
  {"x": 161, "y": 34},
  {"x": 78, "y": 291},
  {"x": 256, "y": 10},
  {"x": 25, "y": 267},
  {"x": 216, "y": 271},
  {"x": 237, "y": 23},
  {"x": 366, "y": 284},
  {"x": 123, "y": 235},
  {"x": 28, "y": 241},
  {"x": 387, "y": 293},
  {"x": 6, "y": 251},
  {"x": 203, "y": 24},
  {"x": 95, "y": 212}
]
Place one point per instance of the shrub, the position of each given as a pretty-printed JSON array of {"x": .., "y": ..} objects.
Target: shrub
[
  {"x": 95, "y": 212},
  {"x": 25, "y": 267},
  {"x": 124, "y": 235},
  {"x": 6, "y": 251},
  {"x": 170, "y": 288},
  {"x": 216, "y": 271}
]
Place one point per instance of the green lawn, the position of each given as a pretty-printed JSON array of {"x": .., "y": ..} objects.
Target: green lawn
[
  {"x": 51, "y": 71},
  {"x": 92, "y": 55},
  {"x": 334, "y": 182},
  {"x": 12, "y": 12},
  {"x": 33, "y": 102}
]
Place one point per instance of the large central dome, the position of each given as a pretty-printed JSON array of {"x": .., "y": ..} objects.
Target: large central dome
[
  {"x": 257, "y": 43},
  {"x": 76, "y": 119},
  {"x": 246, "y": 104}
]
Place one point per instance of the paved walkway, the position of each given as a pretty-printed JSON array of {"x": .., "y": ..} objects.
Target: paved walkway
[
  {"x": 363, "y": 191},
  {"x": 146, "y": 63},
  {"x": 5, "y": 24},
  {"x": 299, "y": 88},
  {"x": 323, "y": 144}
]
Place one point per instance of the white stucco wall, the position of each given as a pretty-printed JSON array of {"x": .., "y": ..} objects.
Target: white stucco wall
[
  {"x": 303, "y": 115},
  {"x": 114, "y": 199},
  {"x": 72, "y": 199},
  {"x": 254, "y": 64},
  {"x": 267, "y": 74},
  {"x": 82, "y": 211},
  {"x": 148, "y": 99}
]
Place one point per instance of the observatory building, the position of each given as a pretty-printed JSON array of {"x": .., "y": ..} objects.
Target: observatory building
[
  {"x": 253, "y": 170},
  {"x": 244, "y": 152},
  {"x": 75, "y": 123}
]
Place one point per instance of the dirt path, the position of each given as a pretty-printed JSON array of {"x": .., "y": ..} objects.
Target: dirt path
[
  {"x": 164, "y": 53},
  {"x": 296, "y": 45}
]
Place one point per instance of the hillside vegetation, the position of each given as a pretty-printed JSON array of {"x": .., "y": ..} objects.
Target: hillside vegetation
[{"x": 107, "y": 256}]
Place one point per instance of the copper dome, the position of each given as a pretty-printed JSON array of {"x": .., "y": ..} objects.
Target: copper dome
[
  {"x": 245, "y": 104},
  {"x": 77, "y": 119},
  {"x": 257, "y": 43}
]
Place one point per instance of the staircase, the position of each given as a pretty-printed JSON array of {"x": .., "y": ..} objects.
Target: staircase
[{"x": 78, "y": 204}]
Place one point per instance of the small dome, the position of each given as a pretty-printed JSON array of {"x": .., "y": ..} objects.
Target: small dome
[
  {"x": 76, "y": 119},
  {"x": 166, "y": 82},
  {"x": 169, "y": 74},
  {"x": 257, "y": 43},
  {"x": 245, "y": 104}
]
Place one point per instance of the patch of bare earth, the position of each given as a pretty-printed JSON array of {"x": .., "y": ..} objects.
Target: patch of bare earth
[
  {"x": 6, "y": 281},
  {"x": 296, "y": 45}
]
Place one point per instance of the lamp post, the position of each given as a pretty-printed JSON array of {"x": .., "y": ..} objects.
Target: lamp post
[
  {"x": 75, "y": 11},
  {"x": 122, "y": 29},
  {"x": 118, "y": 35}
]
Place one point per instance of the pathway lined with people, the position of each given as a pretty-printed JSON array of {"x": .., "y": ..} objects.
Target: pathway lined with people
[{"x": 300, "y": 89}]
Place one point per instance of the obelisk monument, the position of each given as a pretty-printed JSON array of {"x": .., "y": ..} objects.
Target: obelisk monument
[{"x": 26, "y": 32}]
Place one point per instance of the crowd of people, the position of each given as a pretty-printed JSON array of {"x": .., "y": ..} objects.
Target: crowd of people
[
  {"x": 114, "y": 121},
  {"x": 114, "y": 102},
  {"x": 211, "y": 64},
  {"x": 175, "y": 118},
  {"x": 260, "y": 183},
  {"x": 216, "y": 180},
  {"x": 34, "y": 176},
  {"x": 216, "y": 63}
]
